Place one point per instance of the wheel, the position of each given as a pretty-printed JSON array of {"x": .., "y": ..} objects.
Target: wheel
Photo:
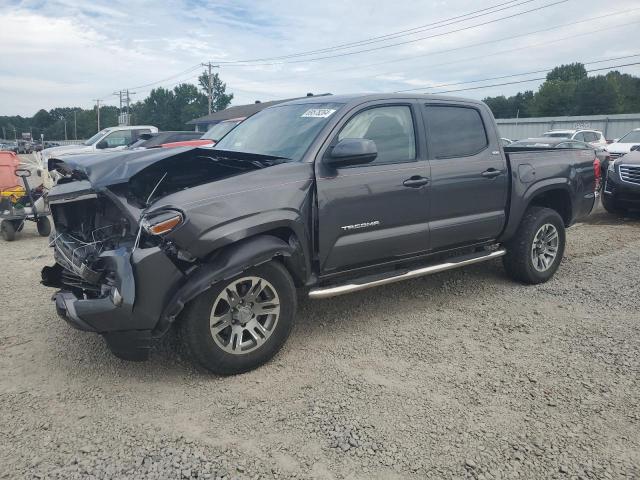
[
  {"x": 8, "y": 230},
  {"x": 44, "y": 226},
  {"x": 241, "y": 323},
  {"x": 535, "y": 251},
  {"x": 610, "y": 206}
]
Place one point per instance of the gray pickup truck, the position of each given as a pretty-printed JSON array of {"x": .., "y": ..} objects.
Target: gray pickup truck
[{"x": 325, "y": 195}]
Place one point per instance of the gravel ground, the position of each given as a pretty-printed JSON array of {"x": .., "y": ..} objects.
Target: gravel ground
[{"x": 459, "y": 375}]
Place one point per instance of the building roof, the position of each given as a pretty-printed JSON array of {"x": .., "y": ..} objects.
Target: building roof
[{"x": 242, "y": 111}]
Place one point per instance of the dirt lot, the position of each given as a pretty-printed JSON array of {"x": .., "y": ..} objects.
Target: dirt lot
[{"x": 463, "y": 374}]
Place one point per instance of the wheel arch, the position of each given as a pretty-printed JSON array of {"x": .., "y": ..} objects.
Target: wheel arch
[{"x": 281, "y": 244}]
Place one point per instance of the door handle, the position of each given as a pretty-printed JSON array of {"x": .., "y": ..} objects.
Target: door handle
[
  {"x": 415, "y": 181},
  {"x": 491, "y": 173}
]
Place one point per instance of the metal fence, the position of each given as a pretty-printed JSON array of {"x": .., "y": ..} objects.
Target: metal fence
[{"x": 612, "y": 126}]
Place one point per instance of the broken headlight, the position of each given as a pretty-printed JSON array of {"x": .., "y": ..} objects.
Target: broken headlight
[{"x": 162, "y": 222}]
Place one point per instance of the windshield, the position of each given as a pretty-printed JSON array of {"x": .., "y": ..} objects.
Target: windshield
[
  {"x": 218, "y": 131},
  {"x": 95, "y": 138},
  {"x": 284, "y": 131},
  {"x": 631, "y": 137},
  {"x": 557, "y": 135}
]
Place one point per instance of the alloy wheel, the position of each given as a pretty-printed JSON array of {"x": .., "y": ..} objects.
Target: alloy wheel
[
  {"x": 244, "y": 315},
  {"x": 544, "y": 249}
]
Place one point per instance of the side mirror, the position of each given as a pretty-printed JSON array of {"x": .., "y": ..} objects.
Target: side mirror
[
  {"x": 615, "y": 140},
  {"x": 352, "y": 151},
  {"x": 101, "y": 145}
]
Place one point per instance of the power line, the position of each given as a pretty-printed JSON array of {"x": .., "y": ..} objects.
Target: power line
[
  {"x": 188, "y": 70},
  {"x": 469, "y": 27},
  {"x": 488, "y": 42},
  {"x": 509, "y": 76},
  {"x": 529, "y": 80},
  {"x": 398, "y": 34}
]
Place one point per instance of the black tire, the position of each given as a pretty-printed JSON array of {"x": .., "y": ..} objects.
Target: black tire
[
  {"x": 610, "y": 206},
  {"x": 198, "y": 338},
  {"x": 518, "y": 261},
  {"x": 44, "y": 226},
  {"x": 8, "y": 230}
]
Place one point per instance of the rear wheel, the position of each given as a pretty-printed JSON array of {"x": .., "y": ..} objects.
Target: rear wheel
[
  {"x": 241, "y": 323},
  {"x": 44, "y": 226},
  {"x": 8, "y": 230},
  {"x": 535, "y": 251}
]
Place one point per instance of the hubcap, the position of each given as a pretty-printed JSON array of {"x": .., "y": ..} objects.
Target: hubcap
[
  {"x": 545, "y": 247},
  {"x": 244, "y": 315}
]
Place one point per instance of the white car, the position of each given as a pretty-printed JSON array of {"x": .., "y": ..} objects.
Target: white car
[
  {"x": 594, "y": 137},
  {"x": 107, "y": 140},
  {"x": 623, "y": 145}
]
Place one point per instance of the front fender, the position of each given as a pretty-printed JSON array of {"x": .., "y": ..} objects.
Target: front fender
[{"x": 228, "y": 263}]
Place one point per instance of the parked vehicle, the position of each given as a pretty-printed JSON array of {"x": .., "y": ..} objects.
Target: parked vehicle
[
  {"x": 622, "y": 185},
  {"x": 166, "y": 139},
  {"x": 594, "y": 137},
  {"x": 112, "y": 138},
  {"x": 209, "y": 139},
  {"x": 621, "y": 146},
  {"x": 328, "y": 196}
]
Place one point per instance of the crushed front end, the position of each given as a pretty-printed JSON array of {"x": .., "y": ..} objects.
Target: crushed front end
[{"x": 112, "y": 279}]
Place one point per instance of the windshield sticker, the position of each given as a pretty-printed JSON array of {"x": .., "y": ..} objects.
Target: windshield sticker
[{"x": 318, "y": 113}]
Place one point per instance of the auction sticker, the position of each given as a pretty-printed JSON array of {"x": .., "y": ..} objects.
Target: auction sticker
[{"x": 318, "y": 113}]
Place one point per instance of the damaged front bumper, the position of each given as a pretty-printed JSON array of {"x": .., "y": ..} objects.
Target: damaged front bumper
[{"x": 121, "y": 299}]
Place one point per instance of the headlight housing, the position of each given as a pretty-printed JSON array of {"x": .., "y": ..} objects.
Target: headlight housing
[{"x": 162, "y": 222}]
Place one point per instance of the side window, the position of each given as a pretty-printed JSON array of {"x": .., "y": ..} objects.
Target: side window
[
  {"x": 591, "y": 137},
  {"x": 391, "y": 128},
  {"x": 455, "y": 131},
  {"x": 120, "y": 138},
  {"x": 579, "y": 136}
]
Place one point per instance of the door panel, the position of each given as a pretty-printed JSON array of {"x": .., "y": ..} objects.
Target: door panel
[
  {"x": 371, "y": 213},
  {"x": 366, "y": 214},
  {"x": 469, "y": 177}
]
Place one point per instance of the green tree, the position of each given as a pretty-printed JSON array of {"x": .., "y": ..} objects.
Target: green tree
[
  {"x": 567, "y": 73},
  {"x": 595, "y": 96},
  {"x": 220, "y": 99}
]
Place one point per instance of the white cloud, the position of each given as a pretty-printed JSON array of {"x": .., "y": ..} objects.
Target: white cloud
[{"x": 67, "y": 52}]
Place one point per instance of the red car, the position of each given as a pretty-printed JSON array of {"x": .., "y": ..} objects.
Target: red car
[{"x": 210, "y": 138}]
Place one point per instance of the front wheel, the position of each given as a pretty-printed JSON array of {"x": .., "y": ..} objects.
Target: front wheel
[
  {"x": 241, "y": 323},
  {"x": 535, "y": 251}
]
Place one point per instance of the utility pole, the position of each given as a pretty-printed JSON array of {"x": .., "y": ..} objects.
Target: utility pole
[
  {"x": 75, "y": 126},
  {"x": 65, "y": 128},
  {"x": 210, "y": 86},
  {"x": 4, "y": 133},
  {"x": 97, "y": 100},
  {"x": 126, "y": 94}
]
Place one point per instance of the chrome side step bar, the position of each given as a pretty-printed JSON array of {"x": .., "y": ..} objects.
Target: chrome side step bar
[{"x": 455, "y": 262}]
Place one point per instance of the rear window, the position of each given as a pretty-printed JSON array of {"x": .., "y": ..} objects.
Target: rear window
[{"x": 455, "y": 131}]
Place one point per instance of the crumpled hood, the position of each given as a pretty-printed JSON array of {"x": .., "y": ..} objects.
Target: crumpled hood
[{"x": 105, "y": 169}]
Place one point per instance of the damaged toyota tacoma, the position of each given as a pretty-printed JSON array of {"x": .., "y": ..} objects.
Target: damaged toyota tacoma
[{"x": 322, "y": 196}]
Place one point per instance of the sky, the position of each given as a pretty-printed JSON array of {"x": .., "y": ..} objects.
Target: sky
[{"x": 70, "y": 52}]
